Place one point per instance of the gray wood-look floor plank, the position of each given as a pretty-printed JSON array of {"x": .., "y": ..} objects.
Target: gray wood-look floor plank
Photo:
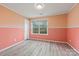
[{"x": 39, "y": 48}]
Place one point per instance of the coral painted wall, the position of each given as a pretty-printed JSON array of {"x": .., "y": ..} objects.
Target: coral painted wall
[
  {"x": 56, "y": 28},
  {"x": 73, "y": 27},
  {"x": 11, "y": 27},
  {"x": 63, "y": 28}
]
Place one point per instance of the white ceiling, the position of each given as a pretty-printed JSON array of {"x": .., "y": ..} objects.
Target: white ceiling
[{"x": 28, "y": 9}]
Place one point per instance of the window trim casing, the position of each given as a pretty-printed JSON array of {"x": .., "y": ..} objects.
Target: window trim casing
[{"x": 39, "y": 29}]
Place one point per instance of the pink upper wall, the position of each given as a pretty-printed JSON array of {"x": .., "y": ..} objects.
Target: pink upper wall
[
  {"x": 73, "y": 17},
  {"x": 73, "y": 27},
  {"x": 56, "y": 28},
  {"x": 11, "y": 27},
  {"x": 8, "y": 17}
]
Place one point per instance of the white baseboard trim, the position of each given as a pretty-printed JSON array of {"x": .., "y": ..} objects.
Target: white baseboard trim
[
  {"x": 73, "y": 48},
  {"x": 60, "y": 42},
  {"x": 40, "y": 40},
  {"x": 11, "y": 46},
  {"x": 48, "y": 40}
]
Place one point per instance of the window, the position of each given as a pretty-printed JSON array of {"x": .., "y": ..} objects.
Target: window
[{"x": 39, "y": 27}]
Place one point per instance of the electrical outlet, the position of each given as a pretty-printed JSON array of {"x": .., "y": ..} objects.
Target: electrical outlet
[
  {"x": 15, "y": 40},
  {"x": 70, "y": 40}
]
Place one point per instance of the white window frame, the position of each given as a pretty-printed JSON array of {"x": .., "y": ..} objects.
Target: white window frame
[{"x": 39, "y": 28}]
